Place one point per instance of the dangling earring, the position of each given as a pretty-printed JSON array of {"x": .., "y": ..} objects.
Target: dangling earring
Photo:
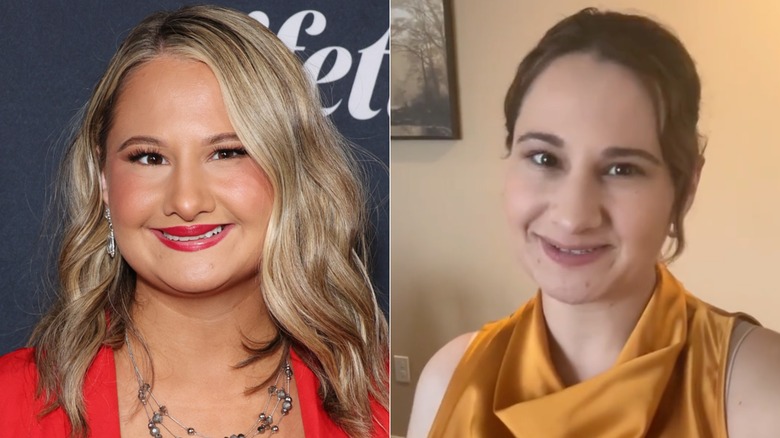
[
  {"x": 111, "y": 243},
  {"x": 673, "y": 232}
]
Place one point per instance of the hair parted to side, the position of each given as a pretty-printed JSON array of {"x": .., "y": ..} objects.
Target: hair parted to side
[
  {"x": 658, "y": 59},
  {"x": 313, "y": 271}
]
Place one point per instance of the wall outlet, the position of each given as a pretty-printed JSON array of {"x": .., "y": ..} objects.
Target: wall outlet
[{"x": 401, "y": 369}]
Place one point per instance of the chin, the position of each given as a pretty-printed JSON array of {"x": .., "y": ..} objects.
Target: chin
[
  {"x": 572, "y": 295},
  {"x": 195, "y": 290},
  {"x": 191, "y": 286},
  {"x": 578, "y": 285}
]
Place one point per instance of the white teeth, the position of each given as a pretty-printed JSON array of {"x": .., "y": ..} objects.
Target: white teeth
[
  {"x": 576, "y": 251},
  {"x": 211, "y": 233}
]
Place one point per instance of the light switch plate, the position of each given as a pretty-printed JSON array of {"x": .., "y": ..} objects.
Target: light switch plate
[{"x": 401, "y": 369}]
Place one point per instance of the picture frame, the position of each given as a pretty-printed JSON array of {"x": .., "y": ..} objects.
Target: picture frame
[{"x": 423, "y": 82}]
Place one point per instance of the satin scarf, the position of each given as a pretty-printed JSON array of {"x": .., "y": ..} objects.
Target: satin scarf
[{"x": 668, "y": 380}]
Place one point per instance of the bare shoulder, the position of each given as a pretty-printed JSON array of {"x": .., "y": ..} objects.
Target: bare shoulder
[
  {"x": 754, "y": 388},
  {"x": 433, "y": 383}
]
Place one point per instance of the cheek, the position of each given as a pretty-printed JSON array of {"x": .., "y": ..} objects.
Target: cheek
[
  {"x": 130, "y": 196},
  {"x": 523, "y": 198},
  {"x": 523, "y": 204},
  {"x": 642, "y": 217},
  {"x": 250, "y": 192}
]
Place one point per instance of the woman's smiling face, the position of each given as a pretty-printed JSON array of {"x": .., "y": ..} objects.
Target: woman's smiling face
[
  {"x": 588, "y": 195},
  {"x": 189, "y": 207}
]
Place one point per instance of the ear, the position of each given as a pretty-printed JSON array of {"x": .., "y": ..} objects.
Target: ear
[
  {"x": 103, "y": 184},
  {"x": 103, "y": 187},
  {"x": 695, "y": 178}
]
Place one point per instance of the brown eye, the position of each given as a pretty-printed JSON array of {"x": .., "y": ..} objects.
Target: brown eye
[
  {"x": 545, "y": 159},
  {"x": 148, "y": 158},
  {"x": 224, "y": 154},
  {"x": 623, "y": 169},
  {"x": 154, "y": 159}
]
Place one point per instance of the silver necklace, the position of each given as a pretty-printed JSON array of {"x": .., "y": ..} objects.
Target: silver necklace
[{"x": 157, "y": 412}]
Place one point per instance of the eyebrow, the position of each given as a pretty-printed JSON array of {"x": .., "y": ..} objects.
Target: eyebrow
[
  {"x": 623, "y": 152},
  {"x": 219, "y": 138},
  {"x": 143, "y": 139},
  {"x": 138, "y": 139},
  {"x": 610, "y": 152},
  {"x": 546, "y": 137}
]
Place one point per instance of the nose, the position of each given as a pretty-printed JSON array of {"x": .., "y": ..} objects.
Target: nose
[
  {"x": 188, "y": 192},
  {"x": 577, "y": 205}
]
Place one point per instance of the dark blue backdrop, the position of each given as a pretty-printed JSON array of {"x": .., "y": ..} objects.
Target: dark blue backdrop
[{"x": 53, "y": 52}]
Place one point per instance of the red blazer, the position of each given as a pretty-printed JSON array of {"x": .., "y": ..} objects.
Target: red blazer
[{"x": 19, "y": 408}]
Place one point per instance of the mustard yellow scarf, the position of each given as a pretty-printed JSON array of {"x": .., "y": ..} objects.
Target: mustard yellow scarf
[{"x": 667, "y": 381}]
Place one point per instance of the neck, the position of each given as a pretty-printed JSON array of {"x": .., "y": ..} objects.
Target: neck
[
  {"x": 193, "y": 346},
  {"x": 585, "y": 339},
  {"x": 195, "y": 337}
]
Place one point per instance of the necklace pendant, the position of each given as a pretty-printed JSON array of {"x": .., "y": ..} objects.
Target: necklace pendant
[
  {"x": 279, "y": 400},
  {"x": 154, "y": 430}
]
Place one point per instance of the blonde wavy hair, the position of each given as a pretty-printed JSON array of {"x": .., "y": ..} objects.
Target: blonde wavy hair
[{"x": 313, "y": 271}]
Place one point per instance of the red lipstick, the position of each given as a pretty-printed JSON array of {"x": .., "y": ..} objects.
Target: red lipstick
[
  {"x": 189, "y": 230},
  {"x": 190, "y": 238}
]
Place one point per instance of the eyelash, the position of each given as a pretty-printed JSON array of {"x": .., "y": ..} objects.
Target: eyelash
[
  {"x": 237, "y": 151},
  {"x": 234, "y": 152},
  {"x": 536, "y": 156},
  {"x": 633, "y": 170},
  {"x": 138, "y": 155}
]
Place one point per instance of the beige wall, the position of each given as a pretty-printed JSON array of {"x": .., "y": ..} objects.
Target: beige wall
[{"x": 451, "y": 270}]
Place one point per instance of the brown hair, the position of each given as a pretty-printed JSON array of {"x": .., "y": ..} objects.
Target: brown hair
[{"x": 660, "y": 61}]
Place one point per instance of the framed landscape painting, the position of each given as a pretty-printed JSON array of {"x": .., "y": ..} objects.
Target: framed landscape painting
[{"x": 423, "y": 100}]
